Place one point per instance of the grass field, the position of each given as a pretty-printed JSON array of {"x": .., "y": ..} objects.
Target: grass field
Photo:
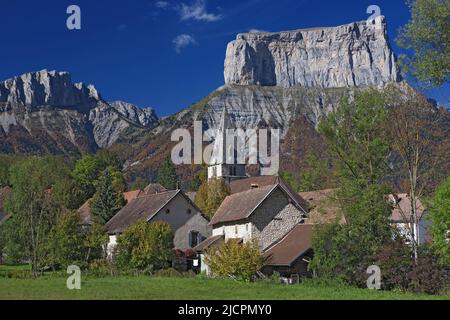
[{"x": 150, "y": 288}]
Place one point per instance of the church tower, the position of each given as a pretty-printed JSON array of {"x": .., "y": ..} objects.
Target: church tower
[{"x": 224, "y": 164}]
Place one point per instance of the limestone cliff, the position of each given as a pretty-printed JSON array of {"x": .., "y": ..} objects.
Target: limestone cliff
[{"x": 353, "y": 55}]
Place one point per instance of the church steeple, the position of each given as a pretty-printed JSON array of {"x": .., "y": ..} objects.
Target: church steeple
[{"x": 219, "y": 166}]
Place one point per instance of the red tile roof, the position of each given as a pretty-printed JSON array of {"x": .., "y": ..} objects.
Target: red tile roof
[{"x": 131, "y": 195}]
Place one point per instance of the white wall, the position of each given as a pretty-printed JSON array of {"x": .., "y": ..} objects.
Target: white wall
[
  {"x": 420, "y": 231},
  {"x": 241, "y": 231},
  {"x": 111, "y": 245}
]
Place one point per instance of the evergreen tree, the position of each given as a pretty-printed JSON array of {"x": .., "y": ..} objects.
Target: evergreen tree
[
  {"x": 167, "y": 175},
  {"x": 106, "y": 201}
]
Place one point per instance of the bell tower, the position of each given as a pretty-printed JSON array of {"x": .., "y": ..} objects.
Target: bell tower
[{"x": 224, "y": 161}]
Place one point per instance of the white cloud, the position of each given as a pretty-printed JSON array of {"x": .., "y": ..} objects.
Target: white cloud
[
  {"x": 162, "y": 4},
  {"x": 197, "y": 11},
  {"x": 256, "y": 31},
  {"x": 182, "y": 41}
]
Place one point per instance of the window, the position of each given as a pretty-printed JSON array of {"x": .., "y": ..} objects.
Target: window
[
  {"x": 189, "y": 211},
  {"x": 167, "y": 211},
  {"x": 194, "y": 238},
  {"x": 236, "y": 230}
]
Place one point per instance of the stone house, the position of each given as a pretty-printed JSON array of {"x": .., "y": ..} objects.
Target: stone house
[{"x": 266, "y": 213}]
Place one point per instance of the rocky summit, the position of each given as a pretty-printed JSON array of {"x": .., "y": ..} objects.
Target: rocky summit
[
  {"x": 285, "y": 80},
  {"x": 352, "y": 55},
  {"x": 45, "y": 112}
]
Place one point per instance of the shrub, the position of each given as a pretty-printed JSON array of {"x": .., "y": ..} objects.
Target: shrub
[
  {"x": 144, "y": 245},
  {"x": 395, "y": 262},
  {"x": 426, "y": 276},
  {"x": 399, "y": 271},
  {"x": 65, "y": 243},
  {"x": 235, "y": 260}
]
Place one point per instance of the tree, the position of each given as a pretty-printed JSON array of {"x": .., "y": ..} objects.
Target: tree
[
  {"x": 167, "y": 175},
  {"x": 32, "y": 205},
  {"x": 359, "y": 147},
  {"x": 290, "y": 179},
  {"x": 347, "y": 250},
  {"x": 211, "y": 195},
  {"x": 315, "y": 174},
  {"x": 428, "y": 35},
  {"x": 440, "y": 216},
  {"x": 106, "y": 201},
  {"x": 419, "y": 136},
  {"x": 90, "y": 167},
  {"x": 65, "y": 244},
  {"x": 94, "y": 242},
  {"x": 235, "y": 260},
  {"x": 145, "y": 245},
  {"x": 199, "y": 178}
]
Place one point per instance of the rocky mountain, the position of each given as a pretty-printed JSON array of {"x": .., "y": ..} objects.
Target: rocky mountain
[
  {"x": 353, "y": 55},
  {"x": 44, "y": 112},
  {"x": 286, "y": 80}
]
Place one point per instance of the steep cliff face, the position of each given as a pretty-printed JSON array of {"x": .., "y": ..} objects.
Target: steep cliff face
[
  {"x": 44, "y": 112},
  {"x": 285, "y": 80},
  {"x": 46, "y": 88},
  {"x": 353, "y": 55}
]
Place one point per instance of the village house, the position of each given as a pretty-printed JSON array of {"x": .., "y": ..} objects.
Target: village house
[
  {"x": 84, "y": 212},
  {"x": 265, "y": 210},
  {"x": 324, "y": 209},
  {"x": 188, "y": 223}
]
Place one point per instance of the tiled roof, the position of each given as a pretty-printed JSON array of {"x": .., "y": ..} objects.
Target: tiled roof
[
  {"x": 153, "y": 188},
  {"x": 241, "y": 205},
  {"x": 131, "y": 195},
  {"x": 402, "y": 211},
  {"x": 296, "y": 243},
  {"x": 142, "y": 208},
  {"x": 247, "y": 184},
  {"x": 208, "y": 243},
  {"x": 85, "y": 213},
  {"x": 323, "y": 207}
]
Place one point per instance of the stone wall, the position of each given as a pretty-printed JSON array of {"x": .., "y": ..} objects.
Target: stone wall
[{"x": 274, "y": 219}]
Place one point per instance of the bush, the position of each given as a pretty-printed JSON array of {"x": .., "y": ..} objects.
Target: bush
[
  {"x": 235, "y": 260},
  {"x": 399, "y": 271},
  {"x": 426, "y": 276},
  {"x": 65, "y": 243},
  {"x": 144, "y": 245}
]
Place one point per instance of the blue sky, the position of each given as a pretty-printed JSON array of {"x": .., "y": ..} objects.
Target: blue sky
[{"x": 165, "y": 54}]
